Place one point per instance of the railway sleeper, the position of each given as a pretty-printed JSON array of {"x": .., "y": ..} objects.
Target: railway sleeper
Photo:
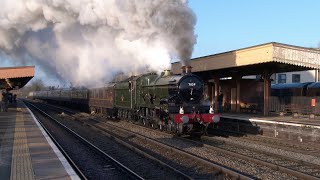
[{"x": 152, "y": 121}]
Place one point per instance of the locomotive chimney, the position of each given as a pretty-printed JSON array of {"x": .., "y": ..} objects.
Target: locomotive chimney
[
  {"x": 166, "y": 73},
  {"x": 186, "y": 69}
]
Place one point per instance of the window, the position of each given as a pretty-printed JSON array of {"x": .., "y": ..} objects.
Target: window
[
  {"x": 282, "y": 78},
  {"x": 295, "y": 78}
]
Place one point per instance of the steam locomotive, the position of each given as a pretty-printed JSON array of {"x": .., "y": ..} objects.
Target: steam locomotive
[{"x": 168, "y": 102}]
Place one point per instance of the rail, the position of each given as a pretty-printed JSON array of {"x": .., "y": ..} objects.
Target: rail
[{"x": 124, "y": 168}]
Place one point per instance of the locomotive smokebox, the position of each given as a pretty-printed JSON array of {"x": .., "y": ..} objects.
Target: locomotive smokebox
[{"x": 186, "y": 70}]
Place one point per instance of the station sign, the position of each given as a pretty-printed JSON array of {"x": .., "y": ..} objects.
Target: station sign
[{"x": 313, "y": 102}]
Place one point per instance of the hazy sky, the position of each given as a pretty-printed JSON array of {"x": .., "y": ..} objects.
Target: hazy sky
[{"x": 224, "y": 25}]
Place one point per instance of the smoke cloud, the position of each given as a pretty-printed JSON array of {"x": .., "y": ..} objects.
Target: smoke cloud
[{"x": 87, "y": 41}]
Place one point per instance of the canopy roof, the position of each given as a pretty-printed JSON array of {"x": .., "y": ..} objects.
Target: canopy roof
[
  {"x": 290, "y": 85},
  {"x": 275, "y": 57},
  {"x": 15, "y": 77},
  {"x": 314, "y": 85}
]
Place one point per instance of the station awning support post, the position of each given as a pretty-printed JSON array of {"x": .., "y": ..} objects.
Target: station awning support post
[
  {"x": 266, "y": 92},
  {"x": 238, "y": 83},
  {"x": 216, "y": 92}
]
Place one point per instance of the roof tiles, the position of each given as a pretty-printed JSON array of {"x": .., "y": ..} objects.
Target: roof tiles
[{"x": 16, "y": 72}]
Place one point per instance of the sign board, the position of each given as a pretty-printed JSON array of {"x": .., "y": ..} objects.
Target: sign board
[{"x": 313, "y": 102}]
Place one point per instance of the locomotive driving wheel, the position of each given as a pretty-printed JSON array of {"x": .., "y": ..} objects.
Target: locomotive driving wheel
[
  {"x": 179, "y": 129},
  {"x": 144, "y": 121},
  {"x": 170, "y": 126},
  {"x": 161, "y": 127},
  {"x": 205, "y": 130}
]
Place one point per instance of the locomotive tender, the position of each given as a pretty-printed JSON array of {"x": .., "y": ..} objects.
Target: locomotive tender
[{"x": 168, "y": 102}]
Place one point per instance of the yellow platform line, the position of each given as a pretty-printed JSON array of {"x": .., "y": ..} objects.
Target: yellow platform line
[{"x": 21, "y": 166}]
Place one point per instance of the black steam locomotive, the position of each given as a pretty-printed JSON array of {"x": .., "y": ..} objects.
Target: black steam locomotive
[{"x": 169, "y": 102}]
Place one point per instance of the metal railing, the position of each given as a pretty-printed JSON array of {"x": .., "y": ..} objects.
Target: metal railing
[{"x": 294, "y": 104}]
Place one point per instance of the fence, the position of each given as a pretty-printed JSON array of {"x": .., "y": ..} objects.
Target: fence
[{"x": 295, "y": 104}]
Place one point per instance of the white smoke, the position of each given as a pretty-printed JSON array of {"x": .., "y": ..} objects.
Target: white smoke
[{"x": 87, "y": 41}]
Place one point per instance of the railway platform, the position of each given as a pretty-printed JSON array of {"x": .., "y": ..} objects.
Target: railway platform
[
  {"x": 301, "y": 129},
  {"x": 276, "y": 119},
  {"x": 26, "y": 151}
]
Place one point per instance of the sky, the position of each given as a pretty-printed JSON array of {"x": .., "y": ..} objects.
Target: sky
[{"x": 225, "y": 25}]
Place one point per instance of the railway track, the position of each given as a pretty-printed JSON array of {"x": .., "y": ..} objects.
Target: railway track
[
  {"x": 279, "y": 163},
  {"x": 141, "y": 163},
  {"x": 311, "y": 149},
  {"x": 106, "y": 166},
  {"x": 192, "y": 166},
  {"x": 290, "y": 165},
  {"x": 297, "y": 168}
]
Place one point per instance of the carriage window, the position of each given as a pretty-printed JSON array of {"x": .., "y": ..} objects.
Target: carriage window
[
  {"x": 295, "y": 78},
  {"x": 282, "y": 78}
]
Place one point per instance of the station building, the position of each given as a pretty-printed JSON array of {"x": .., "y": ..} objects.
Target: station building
[
  {"x": 231, "y": 73},
  {"x": 296, "y": 77}
]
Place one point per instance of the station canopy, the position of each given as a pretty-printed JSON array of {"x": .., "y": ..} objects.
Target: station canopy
[
  {"x": 15, "y": 77},
  {"x": 290, "y": 85},
  {"x": 271, "y": 57}
]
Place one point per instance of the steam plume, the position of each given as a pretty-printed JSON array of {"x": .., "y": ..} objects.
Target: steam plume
[{"x": 85, "y": 40}]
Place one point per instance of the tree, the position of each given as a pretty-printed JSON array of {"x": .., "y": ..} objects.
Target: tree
[
  {"x": 37, "y": 85},
  {"x": 34, "y": 85}
]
